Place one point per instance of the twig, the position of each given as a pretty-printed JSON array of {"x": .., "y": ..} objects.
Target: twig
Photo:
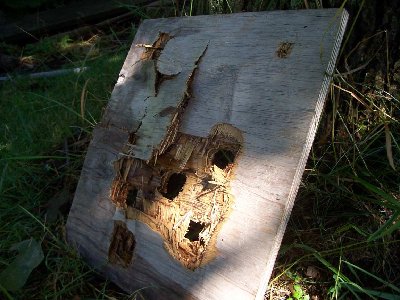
[
  {"x": 353, "y": 95},
  {"x": 354, "y": 49}
]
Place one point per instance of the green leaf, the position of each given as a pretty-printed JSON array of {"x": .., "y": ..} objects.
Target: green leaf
[
  {"x": 297, "y": 292},
  {"x": 16, "y": 274}
]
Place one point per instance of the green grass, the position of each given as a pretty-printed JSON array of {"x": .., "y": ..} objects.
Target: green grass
[
  {"x": 41, "y": 119},
  {"x": 345, "y": 223}
]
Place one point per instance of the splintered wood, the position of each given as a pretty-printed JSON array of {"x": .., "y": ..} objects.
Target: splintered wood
[
  {"x": 183, "y": 193},
  {"x": 191, "y": 175}
]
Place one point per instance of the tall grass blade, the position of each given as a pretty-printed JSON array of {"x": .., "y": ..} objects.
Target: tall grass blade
[
  {"x": 393, "y": 223},
  {"x": 386, "y": 229},
  {"x": 6, "y": 293},
  {"x": 3, "y": 175},
  {"x": 388, "y": 284},
  {"x": 63, "y": 106},
  {"x": 389, "y": 152},
  {"x": 83, "y": 99},
  {"x": 387, "y": 197},
  {"x": 352, "y": 25}
]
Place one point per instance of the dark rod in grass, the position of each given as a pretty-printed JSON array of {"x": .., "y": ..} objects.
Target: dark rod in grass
[{"x": 49, "y": 73}]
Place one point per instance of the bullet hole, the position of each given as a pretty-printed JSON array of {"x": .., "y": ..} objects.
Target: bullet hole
[
  {"x": 193, "y": 232},
  {"x": 222, "y": 158},
  {"x": 174, "y": 185},
  {"x": 133, "y": 201},
  {"x": 122, "y": 245}
]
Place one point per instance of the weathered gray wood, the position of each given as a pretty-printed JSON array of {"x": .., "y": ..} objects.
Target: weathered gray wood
[{"x": 265, "y": 76}]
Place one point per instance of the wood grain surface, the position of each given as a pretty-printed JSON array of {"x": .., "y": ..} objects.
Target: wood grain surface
[{"x": 187, "y": 80}]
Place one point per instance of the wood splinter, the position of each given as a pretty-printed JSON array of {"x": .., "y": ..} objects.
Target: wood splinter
[{"x": 184, "y": 196}]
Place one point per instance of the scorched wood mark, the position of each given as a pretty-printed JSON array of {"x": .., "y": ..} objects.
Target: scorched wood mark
[{"x": 284, "y": 49}]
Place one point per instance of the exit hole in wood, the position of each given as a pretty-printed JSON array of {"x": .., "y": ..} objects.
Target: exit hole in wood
[
  {"x": 194, "y": 229},
  {"x": 131, "y": 198},
  {"x": 175, "y": 185},
  {"x": 222, "y": 158},
  {"x": 182, "y": 193}
]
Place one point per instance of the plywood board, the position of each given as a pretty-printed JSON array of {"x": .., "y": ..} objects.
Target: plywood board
[{"x": 191, "y": 175}]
